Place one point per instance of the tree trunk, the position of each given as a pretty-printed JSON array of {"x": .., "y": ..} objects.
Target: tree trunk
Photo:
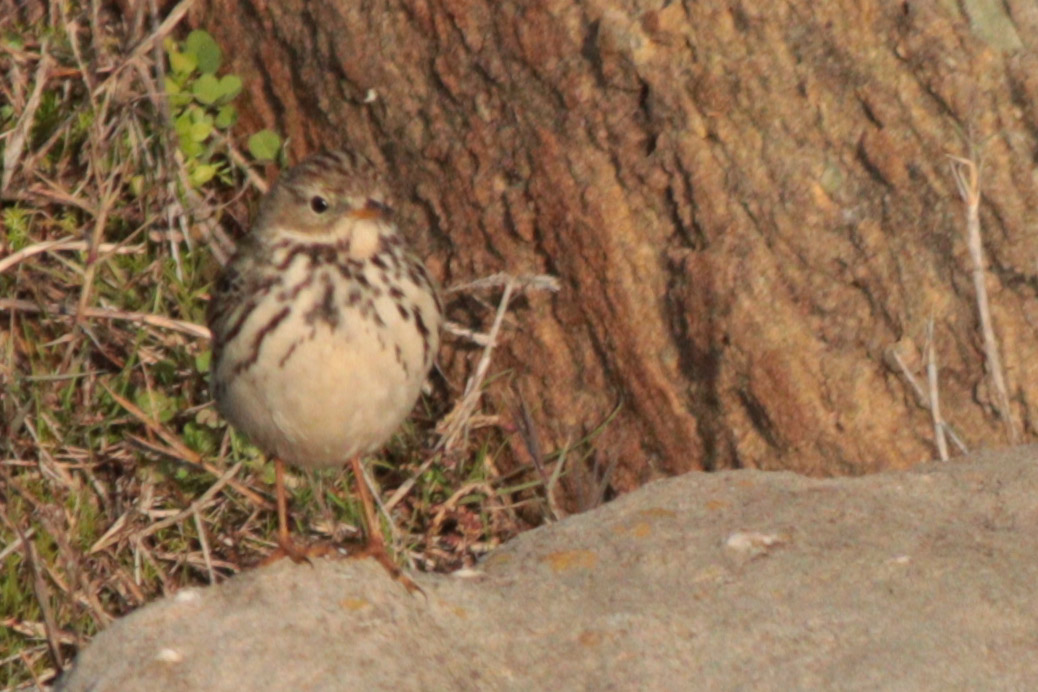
[{"x": 750, "y": 206}]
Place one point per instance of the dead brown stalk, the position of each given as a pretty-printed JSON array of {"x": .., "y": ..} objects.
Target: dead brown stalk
[{"x": 967, "y": 179}]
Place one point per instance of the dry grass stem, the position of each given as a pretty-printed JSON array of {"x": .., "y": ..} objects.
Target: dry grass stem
[
  {"x": 923, "y": 399},
  {"x": 194, "y": 508},
  {"x": 146, "y": 44},
  {"x": 177, "y": 448},
  {"x": 204, "y": 543},
  {"x": 521, "y": 284},
  {"x": 557, "y": 511},
  {"x": 16, "y": 140},
  {"x": 405, "y": 487},
  {"x": 967, "y": 179},
  {"x": 162, "y": 322},
  {"x": 451, "y": 502},
  {"x": 66, "y": 244},
  {"x": 455, "y": 424},
  {"x": 935, "y": 404}
]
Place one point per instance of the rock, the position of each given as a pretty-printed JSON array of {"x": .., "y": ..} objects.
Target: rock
[{"x": 906, "y": 580}]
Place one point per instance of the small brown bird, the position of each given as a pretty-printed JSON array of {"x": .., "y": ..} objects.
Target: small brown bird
[{"x": 324, "y": 328}]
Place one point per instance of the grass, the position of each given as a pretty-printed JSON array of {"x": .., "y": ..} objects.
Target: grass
[{"x": 119, "y": 483}]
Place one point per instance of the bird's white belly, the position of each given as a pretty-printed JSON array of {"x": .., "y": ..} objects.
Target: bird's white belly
[{"x": 317, "y": 395}]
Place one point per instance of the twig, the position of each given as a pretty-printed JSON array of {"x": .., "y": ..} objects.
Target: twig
[{"x": 968, "y": 183}]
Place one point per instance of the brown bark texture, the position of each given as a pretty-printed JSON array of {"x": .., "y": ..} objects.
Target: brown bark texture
[{"x": 750, "y": 206}]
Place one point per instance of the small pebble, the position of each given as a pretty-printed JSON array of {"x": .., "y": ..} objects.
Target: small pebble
[{"x": 169, "y": 656}]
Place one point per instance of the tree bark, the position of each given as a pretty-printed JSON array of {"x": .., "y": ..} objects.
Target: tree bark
[{"x": 750, "y": 205}]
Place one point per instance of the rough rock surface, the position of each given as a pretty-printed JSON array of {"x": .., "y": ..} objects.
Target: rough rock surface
[{"x": 924, "y": 579}]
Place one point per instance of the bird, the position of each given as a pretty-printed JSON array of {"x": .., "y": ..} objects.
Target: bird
[{"x": 324, "y": 328}]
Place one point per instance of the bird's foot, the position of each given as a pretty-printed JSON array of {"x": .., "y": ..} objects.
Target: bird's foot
[
  {"x": 377, "y": 551},
  {"x": 295, "y": 552}
]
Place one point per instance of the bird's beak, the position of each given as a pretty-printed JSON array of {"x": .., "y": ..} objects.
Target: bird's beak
[{"x": 365, "y": 213}]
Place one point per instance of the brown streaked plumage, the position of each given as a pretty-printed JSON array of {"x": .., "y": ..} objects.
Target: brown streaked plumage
[{"x": 324, "y": 324}]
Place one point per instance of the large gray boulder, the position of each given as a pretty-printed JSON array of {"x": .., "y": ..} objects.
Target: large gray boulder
[{"x": 924, "y": 579}]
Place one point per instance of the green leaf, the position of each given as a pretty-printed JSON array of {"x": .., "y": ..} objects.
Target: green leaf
[
  {"x": 210, "y": 419},
  {"x": 191, "y": 148},
  {"x": 180, "y": 100},
  {"x": 201, "y": 44},
  {"x": 264, "y": 145},
  {"x": 176, "y": 95},
  {"x": 17, "y": 223},
  {"x": 182, "y": 63},
  {"x": 230, "y": 86},
  {"x": 201, "y": 130},
  {"x": 201, "y": 439},
  {"x": 227, "y": 116},
  {"x": 182, "y": 124},
  {"x": 156, "y": 405},
  {"x": 202, "y": 174},
  {"x": 202, "y": 361},
  {"x": 206, "y": 89}
]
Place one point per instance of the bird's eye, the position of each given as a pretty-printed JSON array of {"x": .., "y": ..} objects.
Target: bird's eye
[{"x": 319, "y": 204}]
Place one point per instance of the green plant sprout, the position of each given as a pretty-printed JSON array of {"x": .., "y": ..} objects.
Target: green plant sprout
[{"x": 201, "y": 107}]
